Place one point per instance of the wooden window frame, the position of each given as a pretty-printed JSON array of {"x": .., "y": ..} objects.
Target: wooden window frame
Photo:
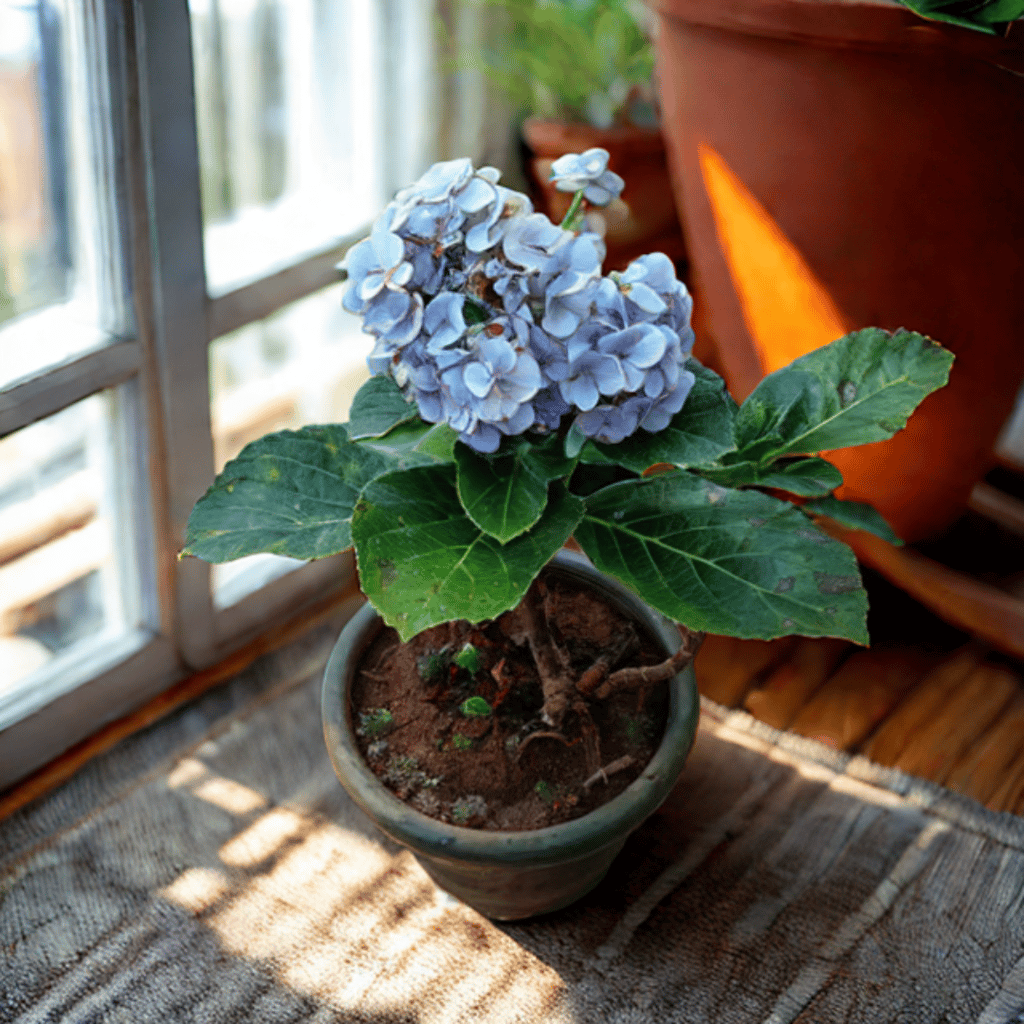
[{"x": 153, "y": 354}]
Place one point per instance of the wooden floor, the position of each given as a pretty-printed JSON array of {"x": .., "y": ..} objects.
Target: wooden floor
[{"x": 954, "y": 718}]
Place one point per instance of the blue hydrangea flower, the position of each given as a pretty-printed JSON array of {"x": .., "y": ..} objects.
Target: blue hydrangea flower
[
  {"x": 529, "y": 241},
  {"x": 587, "y": 372},
  {"x": 496, "y": 321},
  {"x": 443, "y": 321},
  {"x": 636, "y": 349},
  {"x": 572, "y": 274},
  {"x": 611, "y": 423},
  {"x": 587, "y": 171},
  {"x": 435, "y": 186},
  {"x": 505, "y": 206},
  {"x": 394, "y": 315},
  {"x": 375, "y": 263},
  {"x": 672, "y": 401},
  {"x": 493, "y": 389}
]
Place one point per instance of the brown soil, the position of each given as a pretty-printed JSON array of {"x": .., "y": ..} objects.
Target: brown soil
[{"x": 485, "y": 771}]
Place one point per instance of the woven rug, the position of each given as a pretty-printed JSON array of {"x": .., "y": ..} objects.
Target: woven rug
[{"x": 212, "y": 869}]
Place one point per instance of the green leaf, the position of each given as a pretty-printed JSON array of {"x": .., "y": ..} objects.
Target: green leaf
[
  {"x": 439, "y": 442},
  {"x": 378, "y": 406},
  {"x": 809, "y": 478},
  {"x": 735, "y": 562},
  {"x": 423, "y": 561},
  {"x": 475, "y": 707},
  {"x": 970, "y": 14},
  {"x": 468, "y": 658},
  {"x": 545, "y": 454},
  {"x": 855, "y": 515},
  {"x": 574, "y": 441},
  {"x": 374, "y": 722},
  {"x": 860, "y": 389},
  {"x": 697, "y": 435},
  {"x": 289, "y": 493},
  {"x": 506, "y": 495},
  {"x": 402, "y": 442}
]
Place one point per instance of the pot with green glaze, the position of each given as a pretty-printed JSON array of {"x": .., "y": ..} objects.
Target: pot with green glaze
[{"x": 510, "y": 875}]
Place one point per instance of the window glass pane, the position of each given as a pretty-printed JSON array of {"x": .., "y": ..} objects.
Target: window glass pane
[
  {"x": 302, "y": 365},
  {"x": 62, "y": 542},
  {"x": 35, "y": 260},
  {"x": 56, "y": 250},
  {"x": 289, "y": 127}
]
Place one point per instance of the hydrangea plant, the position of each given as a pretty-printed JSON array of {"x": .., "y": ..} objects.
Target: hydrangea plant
[{"x": 520, "y": 398}]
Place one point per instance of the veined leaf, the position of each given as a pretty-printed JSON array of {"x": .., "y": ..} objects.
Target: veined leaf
[
  {"x": 503, "y": 497},
  {"x": 854, "y": 514},
  {"x": 378, "y": 405},
  {"x": 810, "y": 478},
  {"x": 506, "y": 495},
  {"x": 546, "y": 456},
  {"x": 423, "y": 561},
  {"x": 415, "y": 443},
  {"x": 289, "y": 493},
  {"x": 439, "y": 442},
  {"x": 860, "y": 389},
  {"x": 725, "y": 561},
  {"x": 697, "y": 435}
]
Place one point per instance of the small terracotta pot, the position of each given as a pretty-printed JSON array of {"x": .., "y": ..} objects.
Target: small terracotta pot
[
  {"x": 644, "y": 219},
  {"x": 510, "y": 875},
  {"x": 842, "y": 164}
]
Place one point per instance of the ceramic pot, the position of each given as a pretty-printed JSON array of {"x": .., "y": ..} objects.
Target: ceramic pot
[
  {"x": 510, "y": 875},
  {"x": 644, "y": 219},
  {"x": 844, "y": 164}
]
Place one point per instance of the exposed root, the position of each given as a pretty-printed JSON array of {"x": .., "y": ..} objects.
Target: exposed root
[
  {"x": 552, "y": 663},
  {"x": 601, "y": 775},
  {"x": 634, "y": 678},
  {"x": 598, "y": 672},
  {"x": 554, "y": 635},
  {"x": 544, "y": 734},
  {"x": 589, "y": 733}
]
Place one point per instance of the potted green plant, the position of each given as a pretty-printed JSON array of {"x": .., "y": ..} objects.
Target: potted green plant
[
  {"x": 580, "y": 72},
  {"x": 520, "y": 399}
]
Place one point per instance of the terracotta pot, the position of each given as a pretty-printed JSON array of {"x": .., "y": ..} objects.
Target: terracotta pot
[
  {"x": 645, "y": 218},
  {"x": 846, "y": 164},
  {"x": 510, "y": 875}
]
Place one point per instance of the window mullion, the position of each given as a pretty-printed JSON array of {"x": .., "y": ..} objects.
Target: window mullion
[
  {"x": 46, "y": 393},
  {"x": 179, "y": 314}
]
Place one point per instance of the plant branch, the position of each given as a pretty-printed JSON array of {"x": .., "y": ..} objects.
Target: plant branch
[{"x": 634, "y": 678}]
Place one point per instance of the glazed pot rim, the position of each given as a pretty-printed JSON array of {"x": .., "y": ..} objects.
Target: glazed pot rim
[
  {"x": 601, "y": 827},
  {"x": 862, "y": 24}
]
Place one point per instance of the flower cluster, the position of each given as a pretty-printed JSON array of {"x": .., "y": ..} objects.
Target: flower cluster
[{"x": 496, "y": 321}]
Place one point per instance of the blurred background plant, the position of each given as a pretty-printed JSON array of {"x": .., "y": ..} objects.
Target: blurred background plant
[{"x": 581, "y": 61}]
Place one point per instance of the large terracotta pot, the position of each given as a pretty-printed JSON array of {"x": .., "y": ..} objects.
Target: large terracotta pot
[
  {"x": 843, "y": 164},
  {"x": 645, "y": 219}
]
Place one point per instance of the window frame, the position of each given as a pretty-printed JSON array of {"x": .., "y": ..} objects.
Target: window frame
[{"x": 155, "y": 353}]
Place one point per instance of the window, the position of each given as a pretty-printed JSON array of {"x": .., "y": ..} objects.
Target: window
[{"x": 167, "y": 293}]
